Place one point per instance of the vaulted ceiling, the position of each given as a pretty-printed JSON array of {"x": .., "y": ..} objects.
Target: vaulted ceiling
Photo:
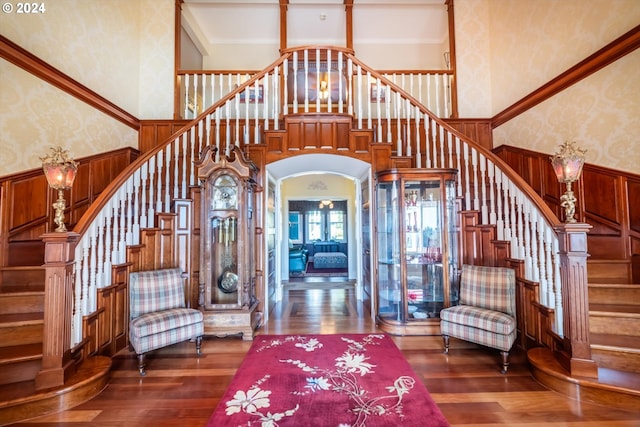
[{"x": 229, "y": 22}]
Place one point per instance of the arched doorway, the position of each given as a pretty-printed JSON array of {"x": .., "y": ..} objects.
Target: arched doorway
[{"x": 313, "y": 176}]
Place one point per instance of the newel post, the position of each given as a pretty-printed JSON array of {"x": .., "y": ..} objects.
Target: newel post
[
  {"x": 57, "y": 364},
  {"x": 576, "y": 355}
]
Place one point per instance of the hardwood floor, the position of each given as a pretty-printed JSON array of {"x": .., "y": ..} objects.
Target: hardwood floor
[{"x": 181, "y": 389}]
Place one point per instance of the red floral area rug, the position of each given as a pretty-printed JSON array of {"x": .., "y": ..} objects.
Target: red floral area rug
[{"x": 353, "y": 380}]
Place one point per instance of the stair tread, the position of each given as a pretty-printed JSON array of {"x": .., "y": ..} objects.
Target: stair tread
[
  {"x": 615, "y": 285},
  {"x": 22, "y": 318},
  {"x": 20, "y": 353},
  {"x": 615, "y": 308},
  {"x": 620, "y": 341}
]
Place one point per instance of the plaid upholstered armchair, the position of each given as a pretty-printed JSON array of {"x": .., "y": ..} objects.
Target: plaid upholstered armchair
[
  {"x": 487, "y": 311},
  {"x": 158, "y": 316}
]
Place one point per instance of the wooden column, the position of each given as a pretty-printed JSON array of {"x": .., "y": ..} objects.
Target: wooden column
[
  {"x": 576, "y": 354},
  {"x": 348, "y": 4},
  {"x": 57, "y": 364}
]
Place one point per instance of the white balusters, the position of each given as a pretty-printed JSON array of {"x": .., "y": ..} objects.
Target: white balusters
[
  {"x": 484, "y": 211},
  {"x": 181, "y": 184},
  {"x": 137, "y": 191},
  {"x": 492, "y": 192},
  {"x": 557, "y": 287},
  {"x": 474, "y": 166},
  {"x": 418, "y": 141},
  {"x": 500, "y": 190},
  {"x": 285, "y": 87},
  {"x": 186, "y": 96}
]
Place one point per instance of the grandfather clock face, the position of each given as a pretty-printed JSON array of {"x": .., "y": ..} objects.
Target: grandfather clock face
[{"x": 225, "y": 193}]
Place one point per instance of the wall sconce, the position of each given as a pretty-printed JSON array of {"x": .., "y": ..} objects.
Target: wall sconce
[
  {"x": 567, "y": 164},
  {"x": 60, "y": 171},
  {"x": 326, "y": 203}
]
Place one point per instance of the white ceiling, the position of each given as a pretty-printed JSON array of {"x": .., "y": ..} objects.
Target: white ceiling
[{"x": 229, "y": 22}]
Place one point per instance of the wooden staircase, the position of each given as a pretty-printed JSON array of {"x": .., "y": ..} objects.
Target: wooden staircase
[
  {"x": 21, "y": 328},
  {"x": 614, "y": 324},
  {"x": 22, "y": 300},
  {"x": 21, "y": 324}
]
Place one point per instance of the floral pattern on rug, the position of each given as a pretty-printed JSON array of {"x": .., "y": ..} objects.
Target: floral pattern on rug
[{"x": 334, "y": 380}]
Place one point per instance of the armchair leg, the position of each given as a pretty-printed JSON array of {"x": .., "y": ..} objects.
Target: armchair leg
[
  {"x": 445, "y": 338},
  {"x": 505, "y": 361},
  {"x": 199, "y": 345},
  {"x": 141, "y": 365}
]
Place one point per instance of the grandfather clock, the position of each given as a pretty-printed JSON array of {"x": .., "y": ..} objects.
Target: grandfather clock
[{"x": 227, "y": 260}]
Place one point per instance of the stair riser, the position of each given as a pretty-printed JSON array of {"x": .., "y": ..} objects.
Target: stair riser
[
  {"x": 21, "y": 303},
  {"x": 19, "y": 371},
  {"x": 615, "y": 296},
  {"x": 612, "y": 325},
  {"x": 22, "y": 334},
  {"x": 622, "y": 361}
]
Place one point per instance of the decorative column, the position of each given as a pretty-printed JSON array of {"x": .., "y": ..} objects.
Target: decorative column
[
  {"x": 57, "y": 365},
  {"x": 576, "y": 354}
]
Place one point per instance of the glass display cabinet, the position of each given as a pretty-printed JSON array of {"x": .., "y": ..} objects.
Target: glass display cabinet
[
  {"x": 416, "y": 249},
  {"x": 227, "y": 263}
]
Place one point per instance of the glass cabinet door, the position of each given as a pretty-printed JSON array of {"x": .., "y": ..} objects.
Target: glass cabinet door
[
  {"x": 390, "y": 301},
  {"x": 423, "y": 221},
  {"x": 416, "y": 246}
]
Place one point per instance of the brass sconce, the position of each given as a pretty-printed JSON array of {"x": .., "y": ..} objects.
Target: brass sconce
[
  {"x": 567, "y": 164},
  {"x": 60, "y": 171}
]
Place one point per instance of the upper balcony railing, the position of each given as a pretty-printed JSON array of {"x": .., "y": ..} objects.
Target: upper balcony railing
[{"x": 200, "y": 90}]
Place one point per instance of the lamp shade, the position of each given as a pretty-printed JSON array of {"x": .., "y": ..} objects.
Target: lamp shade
[
  {"x": 59, "y": 169},
  {"x": 567, "y": 164},
  {"x": 567, "y": 169}
]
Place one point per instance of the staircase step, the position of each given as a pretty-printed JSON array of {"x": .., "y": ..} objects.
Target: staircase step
[
  {"x": 614, "y": 319},
  {"x": 21, "y": 302},
  {"x": 21, "y": 328},
  {"x": 608, "y": 271},
  {"x": 623, "y": 294},
  {"x": 22, "y": 279},
  {"x": 20, "y": 363},
  {"x": 616, "y": 352}
]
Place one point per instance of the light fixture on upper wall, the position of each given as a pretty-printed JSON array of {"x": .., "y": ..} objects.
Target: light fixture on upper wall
[
  {"x": 326, "y": 203},
  {"x": 567, "y": 164},
  {"x": 60, "y": 171}
]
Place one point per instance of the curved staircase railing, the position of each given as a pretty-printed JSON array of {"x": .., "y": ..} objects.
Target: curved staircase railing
[{"x": 303, "y": 80}]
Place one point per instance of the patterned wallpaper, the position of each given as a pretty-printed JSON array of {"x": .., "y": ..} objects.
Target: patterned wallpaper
[
  {"x": 508, "y": 48},
  {"x": 35, "y": 116},
  {"x": 601, "y": 113},
  {"x": 473, "y": 47},
  {"x": 121, "y": 49}
]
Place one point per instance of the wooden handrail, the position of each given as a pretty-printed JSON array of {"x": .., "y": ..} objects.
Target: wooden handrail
[
  {"x": 39, "y": 68},
  {"x": 615, "y": 50}
]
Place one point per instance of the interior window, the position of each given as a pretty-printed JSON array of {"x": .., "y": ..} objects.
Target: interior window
[
  {"x": 314, "y": 226},
  {"x": 295, "y": 232},
  {"x": 337, "y": 225}
]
